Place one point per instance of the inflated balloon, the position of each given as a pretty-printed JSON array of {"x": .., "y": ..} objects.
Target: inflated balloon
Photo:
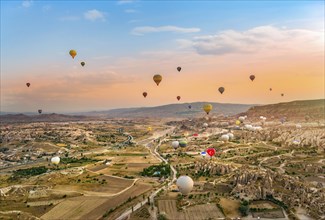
[
  {"x": 55, "y": 160},
  {"x": 179, "y": 69},
  {"x": 296, "y": 142},
  {"x": 73, "y": 53},
  {"x": 241, "y": 119},
  {"x": 211, "y": 151},
  {"x": 40, "y": 111},
  {"x": 157, "y": 78},
  {"x": 282, "y": 94},
  {"x": 249, "y": 127},
  {"x": 238, "y": 122},
  {"x": 270, "y": 89},
  {"x": 144, "y": 94},
  {"x": 225, "y": 138},
  {"x": 252, "y": 77},
  {"x": 28, "y": 84},
  {"x": 82, "y": 63},
  {"x": 175, "y": 144},
  {"x": 221, "y": 89},
  {"x": 203, "y": 153},
  {"x": 185, "y": 184},
  {"x": 178, "y": 98},
  {"x": 183, "y": 143},
  {"x": 189, "y": 106},
  {"x": 205, "y": 125},
  {"x": 207, "y": 108},
  {"x": 231, "y": 136},
  {"x": 149, "y": 128},
  {"x": 195, "y": 135}
]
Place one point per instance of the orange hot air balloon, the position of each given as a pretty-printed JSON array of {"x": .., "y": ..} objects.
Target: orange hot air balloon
[
  {"x": 178, "y": 98},
  {"x": 179, "y": 69},
  {"x": 221, "y": 89},
  {"x": 73, "y": 53},
  {"x": 157, "y": 78},
  {"x": 144, "y": 94},
  {"x": 28, "y": 84},
  {"x": 252, "y": 77}
]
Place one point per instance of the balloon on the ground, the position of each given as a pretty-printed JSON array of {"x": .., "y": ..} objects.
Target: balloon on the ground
[
  {"x": 55, "y": 160},
  {"x": 207, "y": 108},
  {"x": 157, "y": 78},
  {"x": 185, "y": 184}
]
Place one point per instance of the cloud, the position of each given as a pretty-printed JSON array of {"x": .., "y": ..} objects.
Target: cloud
[
  {"x": 258, "y": 39},
  {"x": 69, "y": 18},
  {"x": 94, "y": 14},
  {"x": 122, "y": 2},
  {"x": 130, "y": 11},
  {"x": 149, "y": 29},
  {"x": 46, "y": 8},
  {"x": 27, "y": 3}
]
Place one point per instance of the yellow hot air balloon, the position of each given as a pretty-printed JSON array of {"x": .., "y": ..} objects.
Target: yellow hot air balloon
[
  {"x": 149, "y": 128},
  {"x": 73, "y": 53},
  {"x": 157, "y": 78},
  {"x": 237, "y": 122},
  {"x": 207, "y": 108}
]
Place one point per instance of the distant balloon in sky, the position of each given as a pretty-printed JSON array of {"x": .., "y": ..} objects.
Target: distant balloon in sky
[
  {"x": 179, "y": 69},
  {"x": 270, "y": 89},
  {"x": 157, "y": 78},
  {"x": 55, "y": 160},
  {"x": 221, "y": 89},
  {"x": 252, "y": 77},
  {"x": 82, "y": 63},
  {"x": 185, "y": 184},
  {"x": 28, "y": 84},
  {"x": 40, "y": 111},
  {"x": 73, "y": 53},
  {"x": 178, "y": 98},
  {"x": 282, "y": 94},
  {"x": 207, "y": 108},
  {"x": 144, "y": 94}
]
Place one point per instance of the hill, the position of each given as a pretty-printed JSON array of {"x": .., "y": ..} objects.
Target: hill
[
  {"x": 172, "y": 111},
  {"x": 295, "y": 110},
  {"x": 38, "y": 118}
]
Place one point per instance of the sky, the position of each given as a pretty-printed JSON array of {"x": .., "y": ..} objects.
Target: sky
[{"x": 124, "y": 43}]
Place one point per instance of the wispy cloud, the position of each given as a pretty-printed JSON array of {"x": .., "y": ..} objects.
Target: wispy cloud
[
  {"x": 122, "y": 2},
  {"x": 130, "y": 11},
  {"x": 69, "y": 18},
  {"x": 149, "y": 29},
  {"x": 94, "y": 15},
  {"x": 27, "y": 3},
  {"x": 262, "y": 38}
]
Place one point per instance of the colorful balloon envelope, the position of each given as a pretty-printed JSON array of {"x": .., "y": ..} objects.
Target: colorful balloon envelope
[
  {"x": 157, "y": 78},
  {"x": 73, "y": 53},
  {"x": 211, "y": 152},
  {"x": 207, "y": 108}
]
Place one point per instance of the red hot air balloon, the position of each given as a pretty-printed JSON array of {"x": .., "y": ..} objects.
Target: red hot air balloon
[
  {"x": 28, "y": 84},
  {"x": 252, "y": 77},
  {"x": 178, "y": 98},
  {"x": 211, "y": 151},
  {"x": 144, "y": 94}
]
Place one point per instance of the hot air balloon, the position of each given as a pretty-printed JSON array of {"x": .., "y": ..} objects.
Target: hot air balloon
[
  {"x": 221, "y": 89},
  {"x": 144, "y": 94},
  {"x": 224, "y": 138},
  {"x": 282, "y": 94},
  {"x": 175, "y": 144},
  {"x": 178, "y": 98},
  {"x": 185, "y": 134},
  {"x": 185, "y": 184},
  {"x": 252, "y": 77},
  {"x": 55, "y": 160},
  {"x": 203, "y": 153},
  {"x": 179, "y": 69},
  {"x": 82, "y": 63},
  {"x": 238, "y": 122},
  {"x": 249, "y": 127},
  {"x": 241, "y": 119},
  {"x": 205, "y": 125},
  {"x": 149, "y": 128},
  {"x": 207, "y": 108},
  {"x": 231, "y": 136},
  {"x": 40, "y": 111},
  {"x": 28, "y": 84},
  {"x": 183, "y": 143},
  {"x": 189, "y": 106},
  {"x": 270, "y": 89},
  {"x": 296, "y": 142},
  {"x": 298, "y": 126},
  {"x": 73, "y": 53},
  {"x": 157, "y": 78},
  {"x": 211, "y": 151}
]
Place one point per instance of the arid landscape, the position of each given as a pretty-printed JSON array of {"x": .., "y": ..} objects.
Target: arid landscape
[{"x": 274, "y": 172}]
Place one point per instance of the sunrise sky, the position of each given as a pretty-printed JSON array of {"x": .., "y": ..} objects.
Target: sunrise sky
[{"x": 124, "y": 43}]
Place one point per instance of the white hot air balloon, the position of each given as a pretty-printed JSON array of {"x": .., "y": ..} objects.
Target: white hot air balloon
[
  {"x": 248, "y": 127},
  {"x": 296, "y": 142},
  {"x": 298, "y": 126},
  {"x": 231, "y": 136},
  {"x": 55, "y": 160},
  {"x": 185, "y": 184},
  {"x": 205, "y": 125},
  {"x": 225, "y": 137},
  {"x": 175, "y": 144},
  {"x": 241, "y": 119}
]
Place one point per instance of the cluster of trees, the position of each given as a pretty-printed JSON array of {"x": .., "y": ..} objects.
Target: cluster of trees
[
  {"x": 161, "y": 170},
  {"x": 244, "y": 207},
  {"x": 66, "y": 160},
  {"x": 34, "y": 171}
]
